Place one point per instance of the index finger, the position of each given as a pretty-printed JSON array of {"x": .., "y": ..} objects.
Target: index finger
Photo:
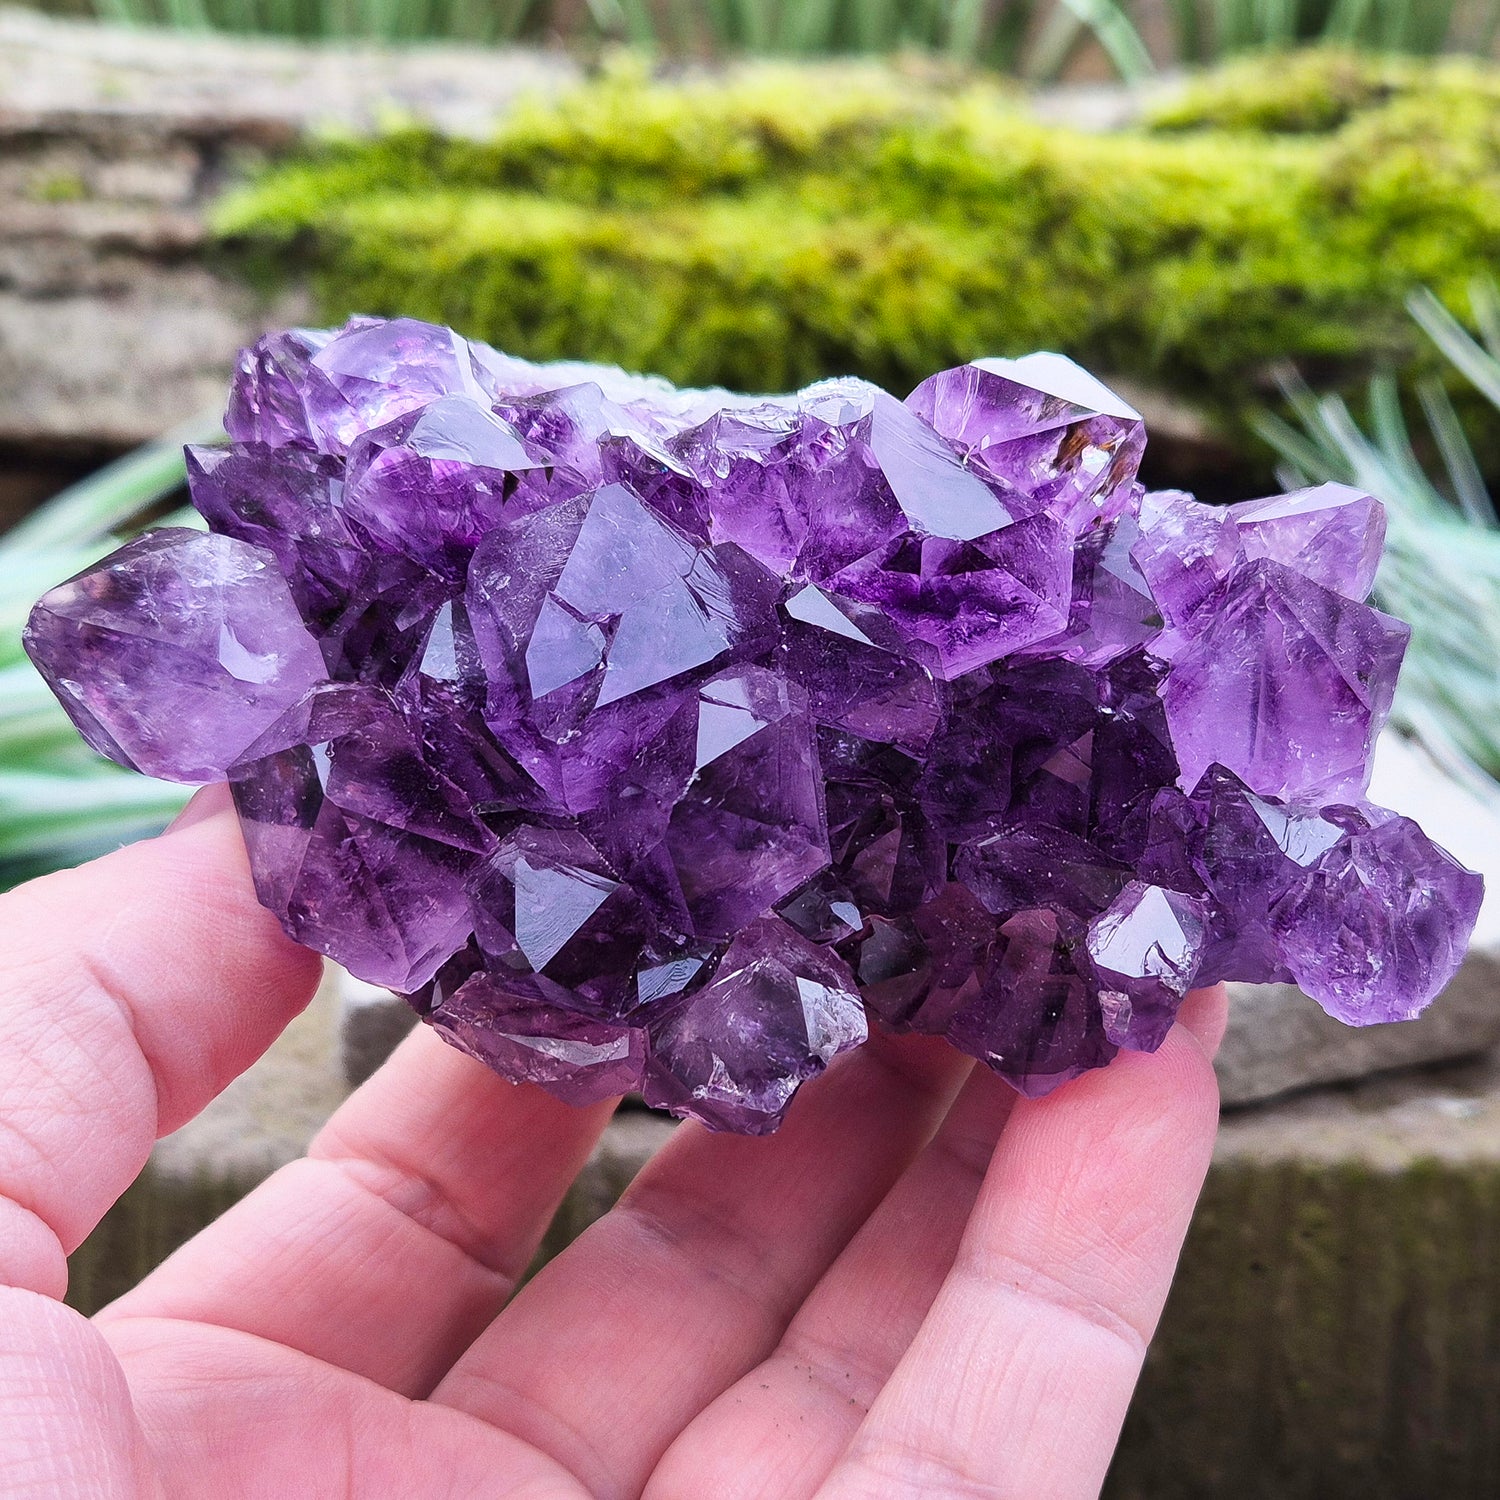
[
  {"x": 1019, "y": 1379},
  {"x": 132, "y": 990}
]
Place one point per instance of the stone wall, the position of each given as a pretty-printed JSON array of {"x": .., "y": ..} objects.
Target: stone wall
[
  {"x": 1335, "y": 1325},
  {"x": 116, "y": 323}
]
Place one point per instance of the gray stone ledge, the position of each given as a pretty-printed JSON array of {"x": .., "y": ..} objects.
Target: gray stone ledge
[
  {"x": 115, "y": 325},
  {"x": 58, "y": 72},
  {"x": 1279, "y": 1041},
  {"x": 113, "y": 140},
  {"x": 269, "y": 1114},
  {"x": 1449, "y": 1113},
  {"x": 372, "y": 1021}
]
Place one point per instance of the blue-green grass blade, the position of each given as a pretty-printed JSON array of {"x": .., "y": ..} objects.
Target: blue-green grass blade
[
  {"x": 1469, "y": 488},
  {"x": 1117, "y": 35},
  {"x": 1484, "y": 299},
  {"x": 1469, "y": 357},
  {"x": 964, "y": 37},
  {"x": 1189, "y": 38},
  {"x": 42, "y": 816}
]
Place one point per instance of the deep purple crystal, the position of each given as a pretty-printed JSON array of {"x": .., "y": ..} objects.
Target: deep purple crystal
[
  {"x": 651, "y": 739},
  {"x": 579, "y": 1057},
  {"x": 1283, "y": 682},
  {"x": 176, "y": 653},
  {"x": 733, "y": 1052},
  {"x": 361, "y": 846}
]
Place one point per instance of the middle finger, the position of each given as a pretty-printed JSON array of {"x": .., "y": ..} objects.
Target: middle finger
[
  {"x": 777, "y": 1432},
  {"x": 615, "y": 1346}
]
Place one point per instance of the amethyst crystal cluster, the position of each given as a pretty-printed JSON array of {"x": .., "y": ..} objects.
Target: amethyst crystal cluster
[{"x": 654, "y": 740}]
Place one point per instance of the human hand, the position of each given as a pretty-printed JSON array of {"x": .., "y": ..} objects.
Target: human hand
[{"x": 920, "y": 1287}]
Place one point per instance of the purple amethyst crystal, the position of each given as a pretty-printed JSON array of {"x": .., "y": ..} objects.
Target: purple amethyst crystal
[
  {"x": 733, "y": 1052},
  {"x": 653, "y": 740},
  {"x": 581, "y": 1058},
  {"x": 174, "y": 654}
]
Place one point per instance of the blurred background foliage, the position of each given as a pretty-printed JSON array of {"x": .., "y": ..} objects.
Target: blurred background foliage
[{"x": 1032, "y": 37}]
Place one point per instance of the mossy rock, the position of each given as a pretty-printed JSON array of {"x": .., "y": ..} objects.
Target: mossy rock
[
  {"x": 783, "y": 224},
  {"x": 1333, "y": 1330},
  {"x": 1317, "y": 90}
]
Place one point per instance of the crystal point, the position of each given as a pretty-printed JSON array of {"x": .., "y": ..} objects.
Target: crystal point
[
  {"x": 176, "y": 653},
  {"x": 734, "y": 1052},
  {"x": 1285, "y": 683}
]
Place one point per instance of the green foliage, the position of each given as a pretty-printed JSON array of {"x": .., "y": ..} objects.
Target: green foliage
[
  {"x": 1006, "y": 34},
  {"x": 1218, "y": 28},
  {"x": 787, "y": 224},
  {"x": 1032, "y": 37}
]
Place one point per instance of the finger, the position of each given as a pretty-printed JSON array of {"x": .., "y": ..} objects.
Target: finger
[
  {"x": 136, "y": 988},
  {"x": 1206, "y": 1014},
  {"x": 1018, "y": 1381},
  {"x": 776, "y": 1433},
  {"x": 401, "y": 1234},
  {"x": 614, "y": 1347}
]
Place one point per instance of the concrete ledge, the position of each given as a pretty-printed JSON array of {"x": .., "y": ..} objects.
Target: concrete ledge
[
  {"x": 371, "y": 1023},
  {"x": 1335, "y": 1325},
  {"x": 1279, "y": 1041},
  {"x": 54, "y": 70},
  {"x": 116, "y": 323}
]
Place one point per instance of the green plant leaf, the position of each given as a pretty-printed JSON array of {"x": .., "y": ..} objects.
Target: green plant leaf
[
  {"x": 1470, "y": 358},
  {"x": 1116, "y": 33}
]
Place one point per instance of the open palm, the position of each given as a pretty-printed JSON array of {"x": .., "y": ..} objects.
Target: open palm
[{"x": 919, "y": 1287}]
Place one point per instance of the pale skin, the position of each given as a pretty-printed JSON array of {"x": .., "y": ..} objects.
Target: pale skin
[{"x": 921, "y": 1287}]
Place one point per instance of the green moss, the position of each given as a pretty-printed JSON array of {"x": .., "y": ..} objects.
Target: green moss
[
  {"x": 1316, "y": 91},
  {"x": 795, "y": 223}
]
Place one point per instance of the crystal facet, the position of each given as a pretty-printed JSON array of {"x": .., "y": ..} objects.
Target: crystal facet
[
  {"x": 174, "y": 654},
  {"x": 653, "y": 740}
]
